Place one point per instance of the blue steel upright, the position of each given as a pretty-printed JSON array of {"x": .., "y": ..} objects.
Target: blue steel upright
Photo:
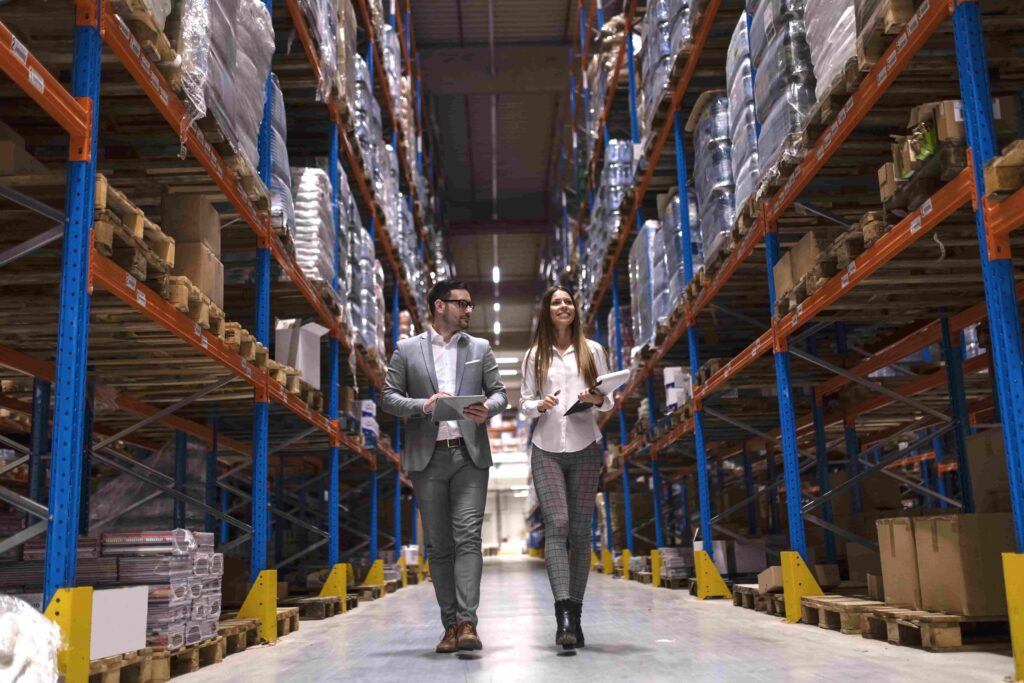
[
  {"x": 703, "y": 486},
  {"x": 73, "y": 326},
  {"x": 821, "y": 458},
  {"x": 787, "y": 418},
  {"x": 180, "y": 476},
  {"x": 86, "y": 466},
  {"x": 333, "y": 364},
  {"x": 954, "y": 357},
  {"x": 1000, "y": 297}
]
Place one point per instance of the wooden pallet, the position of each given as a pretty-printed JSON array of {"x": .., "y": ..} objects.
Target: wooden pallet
[
  {"x": 675, "y": 582},
  {"x": 936, "y": 632},
  {"x": 287, "y": 620},
  {"x": 832, "y": 101},
  {"x": 710, "y": 367},
  {"x": 744, "y": 594},
  {"x": 238, "y": 635},
  {"x": 947, "y": 163},
  {"x": 316, "y": 607},
  {"x": 371, "y": 592},
  {"x": 143, "y": 25},
  {"x": 130, "y": 667},
  {"x": 122, "y": 232},
  {"x": 806, "y": 286},
  {"x": 642, "y": 577},
  {"x": 775, "y": 604},
  {"x": 189, "y": 299},
  {"x": 392, "y": 585},
  {"x": 836, "y": 612},
  {"x": 1004, "y": 174},
  {"x": 847, "y": 247},
  {"x": 189, "y": 659},
  {"x": 875, "y": 33}
]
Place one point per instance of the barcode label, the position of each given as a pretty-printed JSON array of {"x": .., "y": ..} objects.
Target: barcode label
[
  {"x": 140, "y": 297},
  {"x": 36, "y": 80},
  {"x": 204, "y": 342},
  {"x": 130, "y": 281},
  {"x": 136, "y": 48},
  {"x": 923, "y": 9},
  {"x": 19, "y": 50},
  {"x": 926, "y": 208},
  {"x": 881, "y": 75},
  {"x": 844, "y": 281},
  {"x": 915, "y": 225},
  {"x": 163, "y": 96},
  {"x": 913, "y": 23},
  {"x": 153, "y": 80},
  {"x": 891, "y": 60},
  {"x": 197, "y": 330}
]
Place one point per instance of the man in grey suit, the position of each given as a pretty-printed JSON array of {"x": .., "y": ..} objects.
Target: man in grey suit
[{"x": 448, "y": 462}]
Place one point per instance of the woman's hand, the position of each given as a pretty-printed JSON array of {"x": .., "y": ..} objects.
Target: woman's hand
[
  {"x": 592, "y": 397},
  {"x": 549, "y": 402}
]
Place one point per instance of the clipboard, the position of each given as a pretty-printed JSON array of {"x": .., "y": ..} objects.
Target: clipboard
[
  {"x": 448, "y": 408},
  {"x": 605, "y": 385}
]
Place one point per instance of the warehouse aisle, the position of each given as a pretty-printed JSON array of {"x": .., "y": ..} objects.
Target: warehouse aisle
[{"x": 633, "y": 633}]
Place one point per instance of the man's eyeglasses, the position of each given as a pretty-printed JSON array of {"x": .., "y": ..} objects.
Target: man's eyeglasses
[{"x": 461, "y": 303}]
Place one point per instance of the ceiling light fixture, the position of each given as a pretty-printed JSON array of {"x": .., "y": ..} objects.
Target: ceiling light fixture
[
  {"x": 497, "y": 327},
  {"x": 508, "y": 372},
  {"x": 496, "y": 274},
  {"x": 507, "y": 360},
  {"x": 497, "y": 307}
]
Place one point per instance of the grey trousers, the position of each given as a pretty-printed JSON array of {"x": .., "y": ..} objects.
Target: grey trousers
[{"x": 451, "y": 493}]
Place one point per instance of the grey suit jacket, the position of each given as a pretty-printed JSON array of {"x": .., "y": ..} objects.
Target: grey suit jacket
[{"x": 411, "y": 380}]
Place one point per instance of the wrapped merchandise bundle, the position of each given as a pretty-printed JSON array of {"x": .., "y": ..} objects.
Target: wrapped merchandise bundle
[
  {"x": 282, "y": 208},
  {"x": 784, "y": 85},
  {"x": 743, "y": 125},
  {"x": 666, "y": 30},
  {"x": 831, "y": 38},
  {"x": 713, "y": 180},
  {"x": 345, "y": 50},
  {"x": 314, "y": 224},
  {"x": 677, "y": 241},
  {"x": 648, "y": 282},
  {"x": 322, "y": 18},
  {"x": 625, "y": 328}
]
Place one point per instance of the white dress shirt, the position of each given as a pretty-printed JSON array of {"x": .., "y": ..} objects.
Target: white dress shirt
[
  {"x": 555, "y": 432},
  {"x": 446, "y": 360}
]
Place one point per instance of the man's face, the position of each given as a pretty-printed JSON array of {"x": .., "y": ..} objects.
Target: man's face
[{"x": 455, "y": 309}]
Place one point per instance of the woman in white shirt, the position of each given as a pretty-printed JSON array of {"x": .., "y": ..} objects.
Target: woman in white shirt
[{"x": 559, "y": 369}]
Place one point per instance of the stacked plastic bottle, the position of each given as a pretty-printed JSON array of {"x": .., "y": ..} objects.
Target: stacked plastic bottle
[
  {"x": 665, "y": 31},
  {"x": 366, "y": 119},
  {"x": 739, "y": 81},
  {"x": 648, "y": 282},
  {"x": 314, "y": 234},
  {"x": 784, "y": 82},
  {"x": 322, "y": 18},
  {"x": 605, "y": 213},
  {"x": 625, "y": 328},
  {"x": 713, "y": 181},
  {"x": 282, "y": 208},
  {"x": 676, "y": 244},
  {"x": 831, "y": 38}
]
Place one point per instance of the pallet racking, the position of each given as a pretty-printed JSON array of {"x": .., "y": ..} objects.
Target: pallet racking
[
  {"x": 857, "y": 306},
  {"x": 103, "y": 310}
]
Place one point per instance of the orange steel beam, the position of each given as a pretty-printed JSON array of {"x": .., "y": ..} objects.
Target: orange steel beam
[
  {"x": 1003, "y": 217},
  {"x": 917, "y": 224},
  {"x": 659, "y": 143},
  {"x": 758, "y": 348},
  {"x": 929, "y": 16},
  {"x": 39, "y": 84}
]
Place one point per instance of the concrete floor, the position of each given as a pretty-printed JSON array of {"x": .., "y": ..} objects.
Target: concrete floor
[{"x": 634, "y": 633}]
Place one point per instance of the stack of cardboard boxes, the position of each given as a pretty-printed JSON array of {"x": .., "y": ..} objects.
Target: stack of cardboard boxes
[{"x": 194, "y": 223}]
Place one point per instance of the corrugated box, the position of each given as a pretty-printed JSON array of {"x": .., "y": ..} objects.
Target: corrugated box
[
  {"x": 804, "y": 255},
  {"x": 960, "y": 562},
  {"x": 886, "y": 181},
  {"x": 201, "y": 266},
  {"x": 827, "y": 575},
  {"x": 876, "y": 589},
  {"x": 899, "y": 562},
  {"x": 862, "y": 561},
  {"x": 748, "y": 557},
  {"x": 770, "y": 580},
  {"x": 782, "y": 274},
  {"x": 986, "y": 459},
  {"x": 191, "y": 218}
]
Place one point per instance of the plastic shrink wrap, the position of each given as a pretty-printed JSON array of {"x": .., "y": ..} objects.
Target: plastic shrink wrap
[
  {"x": 314, "y": 224},
  {"x": 832, "y": 39},
  {"x": 282, "y": 208}
]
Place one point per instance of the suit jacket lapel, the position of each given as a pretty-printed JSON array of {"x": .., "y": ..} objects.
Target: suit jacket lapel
[
  {"x": 461, "y": 364},
  {"x": 428, "y": 358}
]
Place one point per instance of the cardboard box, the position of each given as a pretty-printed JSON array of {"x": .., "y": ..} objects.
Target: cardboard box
[
  {"x": 861, "y": 561},
  {"x": 947, "y": 118},
  {"x": 876, "y": 589},
  {"x": 299, "y": 346},
  {"x": 747, "y": 557},
  {"x": 960, "y": 562},
  {"x": 887, "y": 181},
  {"x": 282, "y": 590},
  {"x": 804, "y": 255},
  {"x": 899, "y": 562},
  {"x": 782, "y": 274},
  {"x": 199, "y": 264},
  {"x": 191, "y": 218},
  {"x": 827, "y": 575},
  {"x": 721, "y": 555},
  {"x": 770, "y": 580},
  {"x": 986, "y": 459}
]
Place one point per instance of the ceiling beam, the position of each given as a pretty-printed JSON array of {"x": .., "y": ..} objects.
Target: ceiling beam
[
  {"x": 506, "y": 227},
  {"x": 520, "y": 69}
]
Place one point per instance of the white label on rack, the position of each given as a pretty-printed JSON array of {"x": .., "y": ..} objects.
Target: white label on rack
[
  {"x": 140, "y": 297},
  {"x": 19, "y": 50},
  {"x": 219, "y": 170},
  {"x": 926, "y": 208},
  {"x": 891, "y": 59},
  {"x": 130, "y": 281},
  {"x": 204, "y": 342},
  {"x": 36, "y": 80},
  {"x": 197, "y": 330},
  {"x": 795, "y": 320},
  {"x": 124, "y": 28},
  {"x": 852, "y": 268},
  {"x": 923, "y": 9},
  {"x": 820, "y": 153},
  {"x": 881, "y": 75},
  {"x": 153, "y": 80},
  {"x": 912, "y": 24},
  {"x": 901, "y": 42},
  {"x": 842, "y": 115},
  {"x": 753, "y": 352},
  {"x": 137, "y": 49},
  {"x": 246, "y": 367},
  {"x": 915, "y": 225},
  {"x": 844, "y": 281},
  {"x": 164, "y": 97}
]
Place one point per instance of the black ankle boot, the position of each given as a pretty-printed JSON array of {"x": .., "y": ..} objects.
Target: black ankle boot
[
  {"x": 575, "y": 618},
  {"x": 564, "y": 634}
]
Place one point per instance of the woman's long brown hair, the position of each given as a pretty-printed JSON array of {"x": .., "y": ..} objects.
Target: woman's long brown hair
[{"x": 544, "y": 341}]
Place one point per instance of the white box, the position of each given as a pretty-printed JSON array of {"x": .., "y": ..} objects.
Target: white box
[
  {"x": 673, "y": 377},
  {"x": 299, "y": 347},
  {"x": 126, "y": 607},
  {"x": 721, "y": 551},
  {"x": 368, "y": 408}
]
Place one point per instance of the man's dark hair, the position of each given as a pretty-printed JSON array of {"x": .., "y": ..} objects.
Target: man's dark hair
[{"x": 441, "y": 290}]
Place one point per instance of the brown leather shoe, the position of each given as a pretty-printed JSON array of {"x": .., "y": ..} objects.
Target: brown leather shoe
[
  {"x": 468, "y": 638},
  {"x": 449, "y": 642}
]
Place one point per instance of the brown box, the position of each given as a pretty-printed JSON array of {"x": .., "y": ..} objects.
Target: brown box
[
  {"x": 782, "y": 274},
  {"x": 804, "y": 255},
  {"x": 827, "y": 575},
  {"x": 282, "y": 590},
  {"x": 960, "y": 562},
  {"x": 199, "y": 264},
  {"x": 907, "y": 161},
  {"x": 899, "y": 562},
  {"x": 876, "y": 590},
  {"x": 191, "y": 218},
  {"x": 886, "y": 181},
  {"x": 770, "y": 580},
  {"x": 986, "y": 459},
  {"x": 862, "y": 561}
]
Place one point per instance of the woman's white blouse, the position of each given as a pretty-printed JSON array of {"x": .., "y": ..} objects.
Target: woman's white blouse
[{"x": 555, "y": 432}]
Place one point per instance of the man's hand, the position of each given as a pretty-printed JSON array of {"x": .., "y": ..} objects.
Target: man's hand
[
  {"x": 428, "y": 407},
  {"x": 592, "y": 397},
  {"x": 549, "y": 402},
  {"x": 477, "y": 413}
]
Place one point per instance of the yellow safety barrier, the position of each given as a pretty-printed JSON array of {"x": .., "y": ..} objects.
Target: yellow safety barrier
[
  {"x": 261, "y": 604},
  {"x": 626, "y": 556},
  {"x": 607, "y": 562},
  {"x": 593, "y": 560},
  {"x": 656, "y": 568},
  {"x": 404, "y": 570},
  {"x": 71, "y": 610},
  {"x": 1013, "y": 573},
  {"x": 336, "y": 585},
  {"x": 376, "y": 575},
  {"x": 797, "y": 581},
  {"x": 710, "y": 583}
]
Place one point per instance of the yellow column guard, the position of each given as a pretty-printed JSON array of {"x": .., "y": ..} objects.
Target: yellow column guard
[
  {"x": 261, "y": 604},
  {"x": 71, "y": 610}
]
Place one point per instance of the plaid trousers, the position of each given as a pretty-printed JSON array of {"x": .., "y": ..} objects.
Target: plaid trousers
[{"x": 566, "y": 484}]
